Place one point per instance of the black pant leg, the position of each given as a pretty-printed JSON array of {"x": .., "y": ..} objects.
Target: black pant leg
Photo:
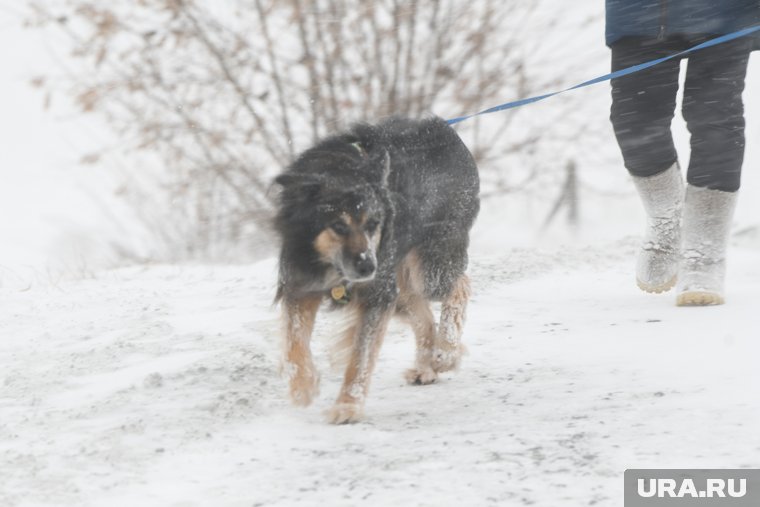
[
  {"x": 714, "y": 113},
  {"x": 643, "y": 106}
]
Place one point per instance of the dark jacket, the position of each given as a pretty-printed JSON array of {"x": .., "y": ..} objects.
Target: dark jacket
[{"x": 689, "y": 18}]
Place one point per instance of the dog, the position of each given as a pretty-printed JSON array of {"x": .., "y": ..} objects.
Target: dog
[{"x": 376, "y": 221}]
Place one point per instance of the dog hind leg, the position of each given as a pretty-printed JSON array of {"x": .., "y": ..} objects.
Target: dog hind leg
[{"x": 298, "y": 321}]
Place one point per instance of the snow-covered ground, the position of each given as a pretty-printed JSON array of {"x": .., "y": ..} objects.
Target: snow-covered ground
[{"x": 159, "y": 386}]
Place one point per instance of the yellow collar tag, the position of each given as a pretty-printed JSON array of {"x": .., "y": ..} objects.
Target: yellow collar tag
[{"x": 339, "y": 293}]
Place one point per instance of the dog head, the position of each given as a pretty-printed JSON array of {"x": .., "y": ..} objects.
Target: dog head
[{"x": 339, "y": 210}]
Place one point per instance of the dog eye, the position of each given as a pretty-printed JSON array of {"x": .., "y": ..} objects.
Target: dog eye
[
  {"x": 371, "y": 225},
  {"x": 340, "y": 228}
]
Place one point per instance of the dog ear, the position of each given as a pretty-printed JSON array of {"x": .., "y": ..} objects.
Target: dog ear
[
  {"x": 297, "y": 180},
  {"x": 299, "y": 184},
  {"x": 293, "y": 179}
]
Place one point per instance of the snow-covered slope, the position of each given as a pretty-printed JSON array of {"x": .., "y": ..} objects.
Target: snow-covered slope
[{"x": 159, "y": 386}]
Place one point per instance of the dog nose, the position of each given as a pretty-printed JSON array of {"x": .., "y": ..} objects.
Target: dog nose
[{"x": 365, "y": 264}]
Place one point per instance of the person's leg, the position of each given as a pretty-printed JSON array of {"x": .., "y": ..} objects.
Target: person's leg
[
  {"x": 643, "y": 106},
  {"x": 714, "y": 113}
]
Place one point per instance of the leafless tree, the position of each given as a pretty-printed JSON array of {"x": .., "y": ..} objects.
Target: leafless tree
[{"x": 213, "y": 98}]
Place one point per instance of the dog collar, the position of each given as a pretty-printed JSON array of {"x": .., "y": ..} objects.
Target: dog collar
[{"x": 340, "y": 295}]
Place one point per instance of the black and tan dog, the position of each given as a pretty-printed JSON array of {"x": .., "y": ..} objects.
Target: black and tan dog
[{"x": 376, "y": 220}]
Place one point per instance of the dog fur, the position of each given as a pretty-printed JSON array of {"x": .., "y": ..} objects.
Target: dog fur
[{"x": 381, "y": 213}]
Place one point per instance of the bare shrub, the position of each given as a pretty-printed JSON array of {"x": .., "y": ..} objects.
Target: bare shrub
[{"x": 209, "y": 99}]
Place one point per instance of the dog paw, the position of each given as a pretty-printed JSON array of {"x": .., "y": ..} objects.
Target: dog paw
[
  {"x": 345, "y": 413},
  {"x": 448, "y": 359},
  {"x": 420, "y": 376},
  {"x": 304, "y": 387}
]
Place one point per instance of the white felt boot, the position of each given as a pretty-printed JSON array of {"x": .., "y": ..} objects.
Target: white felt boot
[
  {"x": 706, "y": 226},
  {"x": 657, "y": 262}
]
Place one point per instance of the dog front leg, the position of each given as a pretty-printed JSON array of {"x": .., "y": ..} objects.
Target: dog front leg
[
  {"x": 371, "y": 328},
  {"x": 298, "y": 322},
  {"x": 418, "y": 314}
]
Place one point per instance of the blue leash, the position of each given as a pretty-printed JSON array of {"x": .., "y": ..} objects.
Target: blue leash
[{"x": 612, "y": 75}]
